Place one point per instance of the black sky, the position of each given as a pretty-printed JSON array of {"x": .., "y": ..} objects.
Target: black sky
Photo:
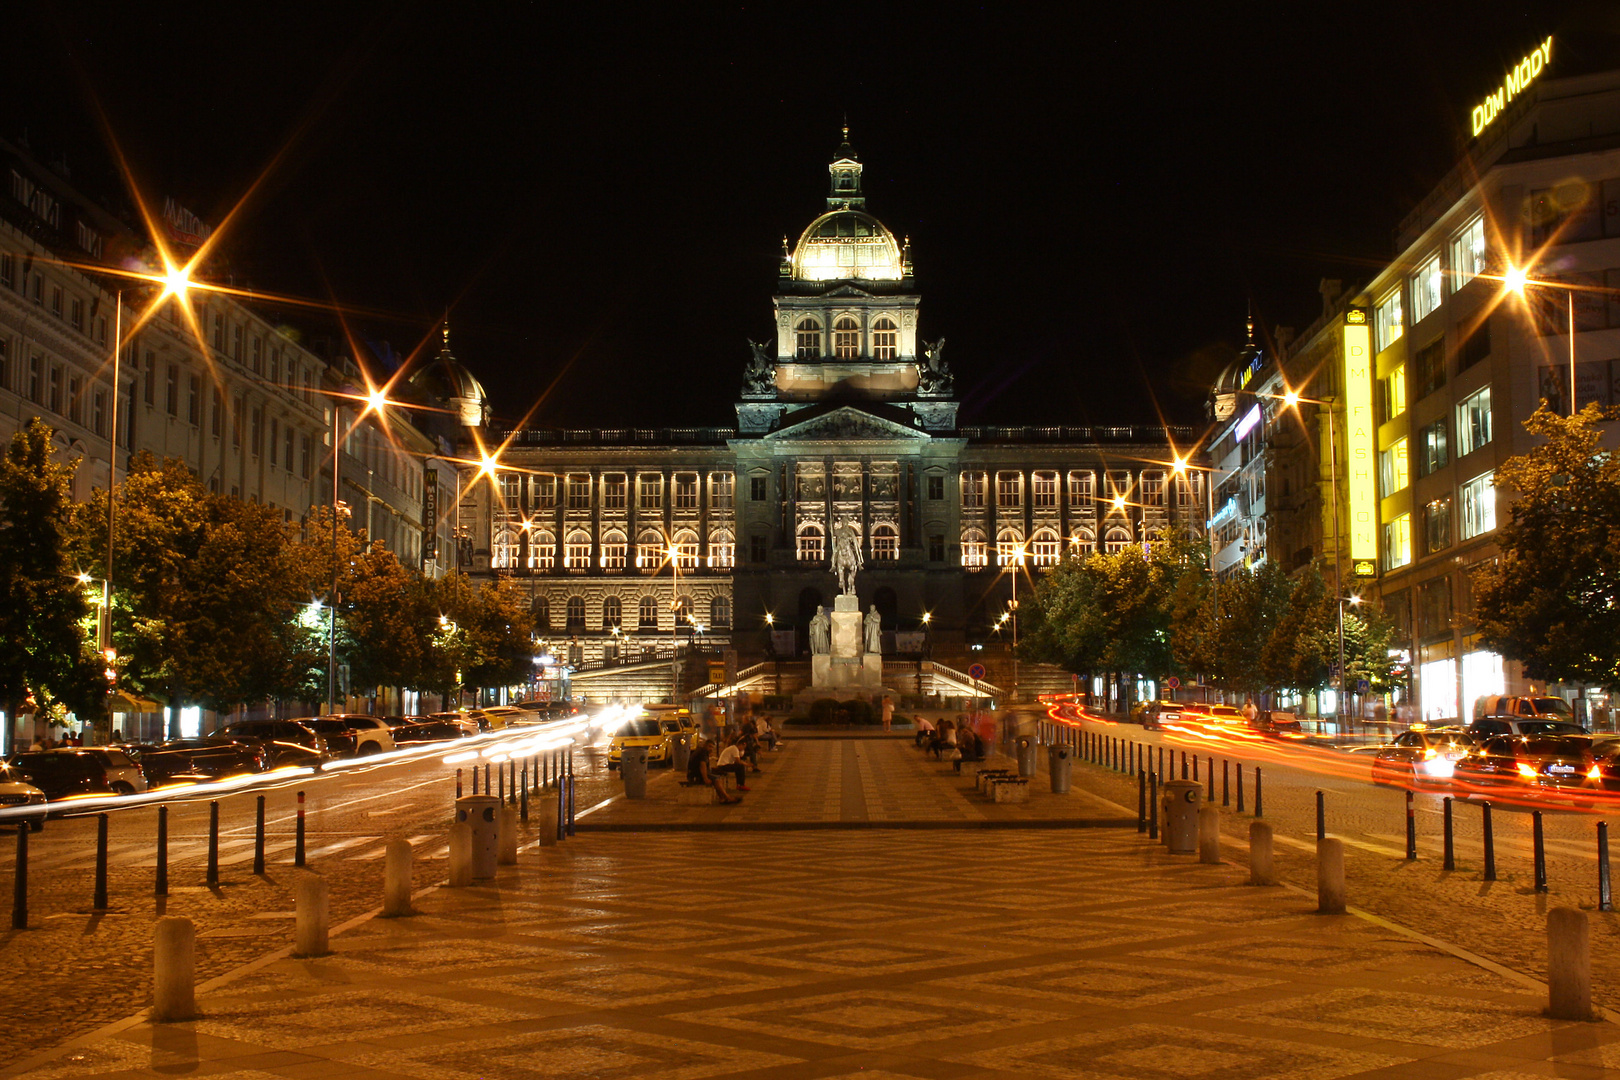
[{"x": 1094, "y": 196}]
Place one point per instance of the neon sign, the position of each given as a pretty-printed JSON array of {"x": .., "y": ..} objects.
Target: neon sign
[
  {"x": 1358, "y": 436},
  {"x": 1522, "y": 75}
]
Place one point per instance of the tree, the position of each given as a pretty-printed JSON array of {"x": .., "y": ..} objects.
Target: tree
[
  {"x": 1552, "y": 597},
  {"x": 46, "y": 648}
]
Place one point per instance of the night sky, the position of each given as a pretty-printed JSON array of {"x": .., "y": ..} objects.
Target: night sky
[{"x": 599, "y": 192}]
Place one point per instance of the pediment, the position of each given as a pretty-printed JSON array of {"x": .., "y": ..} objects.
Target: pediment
[
  {"x": 847, "y": 290},
  {"x": 842, "y": 423}
]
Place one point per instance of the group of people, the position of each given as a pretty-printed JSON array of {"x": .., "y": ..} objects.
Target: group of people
[
  {"x": 950, "y": 740},
  {"x": 48, "y": 743},
  {"x": 737, "y": 754}
]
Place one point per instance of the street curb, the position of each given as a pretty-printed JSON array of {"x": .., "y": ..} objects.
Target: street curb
[{"x": 856, "y": 826}]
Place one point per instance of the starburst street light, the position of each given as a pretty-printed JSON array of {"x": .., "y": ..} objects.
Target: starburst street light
[{"x": 1516, "y": 279}]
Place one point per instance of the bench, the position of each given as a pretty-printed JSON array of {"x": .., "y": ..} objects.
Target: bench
[
  {"x": 1009, "y": 789},
  {"x": 693, "y": 793},
  {"x": 986, "y": 777},
  {"x": 977, "y": 755}
]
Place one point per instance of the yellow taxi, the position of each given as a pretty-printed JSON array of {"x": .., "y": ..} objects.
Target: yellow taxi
[{"x": 653, "y": 732}]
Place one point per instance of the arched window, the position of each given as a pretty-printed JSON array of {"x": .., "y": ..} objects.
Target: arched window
[
  {"x": 720, "y": 612},
  {"x": 577, "y": 551},
  {"x": 612, "y": 612},
  {"x": 1009, "y": 548},
  {"x": 812, "y": 544},
  {"x": 503, "y": 548},
  {"x": 649, "y": 552},
  {"x": 1117, "y": 539},
  {"x": 542, "y": 613},
  {"x": 576, "y": 613},
  {"x": 885, "y": 339},
  {"x": 686, "y": 549},
  {"x": 808, "y": 339},
  {"x": 613, "y": 550},
  {"x": 542, "y": 550},
  {"x": 1083, "y": 542},
  {"x": 973, "y": 549},
  {"x": 722, "y": 549},
  {"x": 885, "y": 543},
  {"x": 847, "y": 339},
  {"x": 648, "y": 613},
  {"x": 1044, "y": 547},
  {"x": 683, "y": 611}
]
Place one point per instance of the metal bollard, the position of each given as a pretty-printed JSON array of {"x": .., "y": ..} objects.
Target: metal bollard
[
  {"x": 1183, "y": 764},
  {"x": 213, "y": 844},
  {"x": 1262, "y": 866},
  {"x": 1153, "y": 806},
  {"x": 298, "y": 836},
  {"x": 461, "y": 855},
  {"x": 1490, "y": 842},
  {"x": 475, "y": 779},
  {"x": 1569, "y": 964},
  {"x": 562, "y": 817},
  {"x": 311, "y": 911},
  {"x": 500, "y": 783},
  {"x": 397, "y": 880},
  {"x": 523, "y": 794},
  {"x": 1259, "y": 792},
  {"x": 1540, "y": 850},
  {"x": 1411, "y": 829},
  {"x": 101, "y": 863},
  {"x": 487, "y": 789},
  {"x": 1209, "y": 834},
  {"x": 546, "y": 811},
  {"x": 1195, "y": 767},
  {"x": 1449, "y": 860},
  {"x": 1212, "y": 778},
  {"x": 1330, "y": 897},
  {"x": 570, "y": 791},
  {"x": 506, "y": 855},
  {"x": 1605, "y": 893},
  {"x": 19, "y": 881},
  {"x": 161, "y": 887},
  {"x": 174, "y": 970},
  {"x": 1226, "y": 782},
  {"x": 458, "y": 783},
  {"x": 1141, "y": 802},
  {"x": 258, "y": 838},
  {"x": 1321, "y": 816},
  {"x": 1240, "y": 787}
]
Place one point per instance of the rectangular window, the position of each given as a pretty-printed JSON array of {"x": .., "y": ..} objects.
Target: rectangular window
[
  {"x": 846, "y": 339},
  {"x": 101, "y": 329},
  {"x": 807, "y": 340},
  {"x": 1429, "y": 368},
  {"x": 1389, "y": 323},
  {"x": 579, "y": 491},
  {"x": 1082, "y": 489},
  {"x": 973, "y": 490},
  {"x": 885, "y": 340},
  {"x": 98, "y": 413},
  {"x": 1398, "y": 542},
  {"x": 38, "y": 291},
  {"x": 75, "y": 406},
  {"x": 36, "y": 376},
  {"x": 1432, "y": 448},
  {"x": 8, "y": 271},
  {"x": 613, "y": 553},
  {"x": 287, "y": 460},
  {"x": 1189, "y": 489},
  {"x": 811, "y": 546},
  {"x": 936, "y": 547},
  {"x": 171, "y": 397},
  {"x": 543, "y": 492},
  {"x": 936, "y": 488},
  {"x": 577, "y": 552},
  {"x": 303, "y": 456},
  {"x": 1119, "y": 489},
  {"x": 1478, "y": 507},
  {"x": 149, "y": 386},
  {"x": 194, "y": 401},
  {"x": 722, "y": 553},
  {"x": 1395, "y": 393},
  {"x": 1043, "y": 490},
  {"x": 720, "y": 489},
  {"x": 1009, "y": 489},
  {"x": 511, "y": 491},
  {"x": 1475, "y": 347},
  {"x": 236, "y": 422},
  {"x": 56, "y": 300},
  {"x": 218, "y": 423},
  {"x": 258, "y": 355},
  {"x": 1392, "y": 471},
  {"x": 275, "y": 440},
  {"x": 758, "y": 486},
  {"x": 256, "y": 431},
  {"x": 650, "y": 492},
  {"x": 275, "y": 367},
  {"x": 236, "y": 344},
  {"x": 219, "y": 333},
  {"x": 55, "y": 404},
  {"x": 758, "y": 548},
  {"x": 1468, "y": 253},
  {"x": 686, "y": 491},
  {"x": 1153, "y": 489},
  {"x": 5, "y": 364},
  {"x": 885, "y": 544},
  {"x": 1474, "y": 422},
  {"x": 1437, "y": 525},
  {"x": 613, "y": 491},
  {"x": 973, "y": 552},
  {"x": 76, "y": 314},
  {"x": 1426, "y": 289}
]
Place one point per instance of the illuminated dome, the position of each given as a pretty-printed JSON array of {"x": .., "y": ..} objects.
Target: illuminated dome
[
  {"x": 847, "y": 244},
  {"x": 445, "y": 378}
]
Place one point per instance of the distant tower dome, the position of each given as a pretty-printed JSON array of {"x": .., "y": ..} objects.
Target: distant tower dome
[
  {"x": 445, "y": 378},
  {"x": 847, "y": 243}
]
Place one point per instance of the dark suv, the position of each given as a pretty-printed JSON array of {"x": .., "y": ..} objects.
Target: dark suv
[
  {"x": 292, "y": 731},
  {"x": 100, "y": 771}
]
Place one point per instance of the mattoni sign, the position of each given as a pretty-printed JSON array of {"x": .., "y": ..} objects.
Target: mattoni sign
[
  {"x": 1358, "y": 436},
  {"x": 1522, "y": 75}
]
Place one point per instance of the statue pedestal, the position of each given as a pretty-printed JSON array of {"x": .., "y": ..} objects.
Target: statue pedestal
[{"x": 849, "y": 664}]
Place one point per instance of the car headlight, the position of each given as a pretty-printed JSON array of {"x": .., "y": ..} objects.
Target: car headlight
[
  {"x": 1440, "y": 766},
  {"x": 1595, "y": 773},
  {"x": 1527, "y": 771}
]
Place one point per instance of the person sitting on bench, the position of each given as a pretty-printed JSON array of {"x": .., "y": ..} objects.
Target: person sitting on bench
[
  {"x": 697, "y": 770},
  {"x": 925, "y": 730},
  {"x": 731, "y": 761}
]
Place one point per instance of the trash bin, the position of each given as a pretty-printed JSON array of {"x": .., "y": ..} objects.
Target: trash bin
[
  {"x": 633, "y": 767},
  {"x": 1058, "y": 766},
  {"x": 1026, "y": 755},
  {"x": 679, "y": 754},
  {"x": 483, "y": 813},
  {"x": 1182, "y": 798}
]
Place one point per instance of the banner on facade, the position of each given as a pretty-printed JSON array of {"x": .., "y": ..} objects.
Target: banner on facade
[{"x": 430, "y": 515}]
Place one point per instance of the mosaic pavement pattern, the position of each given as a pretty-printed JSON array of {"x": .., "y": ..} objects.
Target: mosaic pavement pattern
[{"x": 880, "y": 954}]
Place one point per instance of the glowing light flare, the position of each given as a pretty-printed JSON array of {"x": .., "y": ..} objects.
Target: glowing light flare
[{"x": 1515, "y": 278}]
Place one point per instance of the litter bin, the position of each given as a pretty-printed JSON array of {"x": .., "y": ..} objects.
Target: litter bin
[
  {"x": 633, "y": 767},
  {"x": 679, "y": 754},
  {"x": 483, "y": 813},
  {"x": 1058, "y": 766},
  {"x": 1182, "y": 798},
  {"x": 1026, "y": 755}
]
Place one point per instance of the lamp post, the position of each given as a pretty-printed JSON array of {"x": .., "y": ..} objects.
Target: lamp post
[{"x": 1516, "y": 279}]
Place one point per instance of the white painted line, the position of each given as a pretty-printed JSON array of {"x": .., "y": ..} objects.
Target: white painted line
[{"x": 329, "y": 849}]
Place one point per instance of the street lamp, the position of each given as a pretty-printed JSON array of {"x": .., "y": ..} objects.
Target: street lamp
[{"x": 1516, "y": 279}]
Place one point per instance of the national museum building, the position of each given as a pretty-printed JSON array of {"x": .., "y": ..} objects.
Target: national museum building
[{"x": 632, "y": 541}]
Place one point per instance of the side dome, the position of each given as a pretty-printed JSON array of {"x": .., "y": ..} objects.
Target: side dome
[
  {"x": 446, "y": 378},
  {"x": 847, "y": 244}
]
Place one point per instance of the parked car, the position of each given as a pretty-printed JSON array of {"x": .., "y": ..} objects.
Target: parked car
[
  {"x": 1280, "y": 725},
  {"x": 468, "y": 722},
  {"x": 648, "y": 731},
  {"x": 15, "y": 790},
  {"x": 1158, "y": 713},
  {"x": 81, "y": 771},
  {"x": 429, "y": 731},
  {"x": 504, "y": 716},
  {"x": 293, "y": 731},
  {"x": 1416, "y": 756},
  {"x": 1506, "y": 714},
  {"x": 1546, "y": 762},
  {"x": 368, "y": 734},
  {"x": 195, "y": 760}
]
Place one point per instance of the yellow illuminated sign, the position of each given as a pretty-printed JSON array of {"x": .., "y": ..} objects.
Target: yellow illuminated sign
[
  {"x": 1522, "y": 75},
  {"x": 1358, "y": 438}
]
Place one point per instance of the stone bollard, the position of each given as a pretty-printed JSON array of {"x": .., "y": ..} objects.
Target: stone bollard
[
  {"x": 397, "y": 880},
  {"x": 507, "y": 855},
  {"x": 1330, "y": 877},
  {"x": 461, "y": 859},
  {"x": 174, "y": 960},
  {"x": 1569, "y": 965},
  {"x": 1262, "y": 869},
  {"x": 312, "y": 911},
  {"x": 1209, "y": 834},
  {"x": 545, "y": 811}
]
